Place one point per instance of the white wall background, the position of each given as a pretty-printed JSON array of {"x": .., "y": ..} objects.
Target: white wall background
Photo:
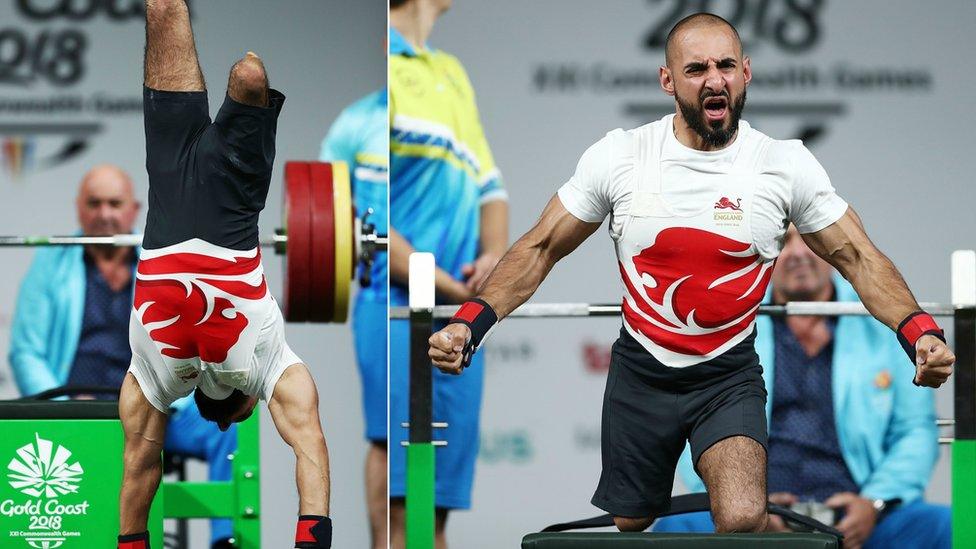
[
  {"x": 323, "y": 54},
  {"x": 893, "y": 135}
]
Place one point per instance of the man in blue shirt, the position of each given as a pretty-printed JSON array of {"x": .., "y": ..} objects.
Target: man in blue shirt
[
  {"x": 447, "y": 198},
  {"x": 847, "y": 427},
  {"x": 359, "y": 138},
  {"x": 71, "y": 324}
]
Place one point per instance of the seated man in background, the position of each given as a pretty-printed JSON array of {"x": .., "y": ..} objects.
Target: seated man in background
[
  {"x": 847, "y": 428},
  {"x": 71, "y": 325}
]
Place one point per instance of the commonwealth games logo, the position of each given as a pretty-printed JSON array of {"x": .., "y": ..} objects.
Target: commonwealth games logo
[{"x": 43, "y": 471}]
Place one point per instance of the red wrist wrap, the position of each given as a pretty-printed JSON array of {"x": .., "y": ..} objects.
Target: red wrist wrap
[
  {"x": 303, "y": 533},
  {"x": 134, "y": 541},
  {"x": 915, "y": 326}
]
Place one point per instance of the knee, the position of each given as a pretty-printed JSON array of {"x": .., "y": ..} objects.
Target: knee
[
  {"x": 628, "y": 524},
  {"x": 741, "y": 519},
  {"x": 248, "y": 81}
]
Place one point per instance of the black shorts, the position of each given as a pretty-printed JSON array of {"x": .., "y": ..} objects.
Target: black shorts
[
  {"x": 646, "y": 424},
  {"x": 207, "y": 180}
]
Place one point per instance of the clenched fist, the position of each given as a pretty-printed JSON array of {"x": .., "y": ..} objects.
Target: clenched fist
[
  {"x": 447, "y": 348},
  {"x": 933, "y": 361}
]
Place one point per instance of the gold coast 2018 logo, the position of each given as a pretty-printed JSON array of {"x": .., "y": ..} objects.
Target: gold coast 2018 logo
[{"x": 45, "y": 473}]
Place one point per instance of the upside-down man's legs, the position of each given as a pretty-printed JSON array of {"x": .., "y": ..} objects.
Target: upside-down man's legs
[{"x": 171, "y": 62}]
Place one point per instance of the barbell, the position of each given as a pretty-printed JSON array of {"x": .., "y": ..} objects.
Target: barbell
[{"x": 322, "y": 241}]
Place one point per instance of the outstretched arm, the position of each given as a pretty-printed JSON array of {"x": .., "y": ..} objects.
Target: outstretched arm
[
  {"x": 527, "y": 263},
  {"x": 295, "y": 410},
  {"x": 846, "y": 246},
  {"x": 145, "y": 428},
  {"x": 516, "y": 276}
]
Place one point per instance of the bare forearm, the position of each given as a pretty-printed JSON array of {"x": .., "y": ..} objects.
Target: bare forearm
[
  {"x": 881, "y": 288},
  {"x": 517, "y": 275},
  {"x": 312, "y": 476},
  {"x": 494, "y": 227},
  {"x": 446, "y": 286},
  {"x": 523, "y": 268}
]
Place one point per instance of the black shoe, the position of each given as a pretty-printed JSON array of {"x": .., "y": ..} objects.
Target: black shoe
[{"x": 223, "y": 544}]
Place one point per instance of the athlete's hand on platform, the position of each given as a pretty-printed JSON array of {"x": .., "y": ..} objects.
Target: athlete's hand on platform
[
  {"x": 476, "y": 273},
  {"x": 933, "y": 363},
  {"x": 859, "y": 518},
  {"x": 447, "y": 347}
]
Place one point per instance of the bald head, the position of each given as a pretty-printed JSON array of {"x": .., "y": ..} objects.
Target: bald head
[
  {"x": 106, "y": 202},
  {"x": 696, "y": 21}
]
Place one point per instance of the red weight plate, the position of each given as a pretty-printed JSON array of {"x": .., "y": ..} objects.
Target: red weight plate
[
  {"x": 298, "y": 219},
  {"x": 322, "y": 302}
]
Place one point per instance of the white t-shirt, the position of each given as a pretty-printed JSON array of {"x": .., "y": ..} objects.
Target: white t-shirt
[
  {"x": 697, "y": 232},
  {"x": 195, "y": 325},
  {"x": 798, "y": 191}
]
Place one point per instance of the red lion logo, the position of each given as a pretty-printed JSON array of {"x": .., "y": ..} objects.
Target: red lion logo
[
  {"x": 702, "y": 289},
  {"x": 726, "y": 204},
  {"x": 184, "y": 302}
]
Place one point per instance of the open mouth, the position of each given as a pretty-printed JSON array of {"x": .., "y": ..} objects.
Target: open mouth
[{"x": 716, "y": 107}]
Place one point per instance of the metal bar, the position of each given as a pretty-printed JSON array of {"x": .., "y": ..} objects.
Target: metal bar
[
  {"x": 572, "y": 310},
  {"x": 379, "y": 241},
  {"x": 945, "y": 422},
  {"x": 964, "y": 328},
  {"x": 420, "y": 515}
]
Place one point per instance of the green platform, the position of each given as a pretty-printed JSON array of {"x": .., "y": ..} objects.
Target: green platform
[{"x": 619, "y": 540}]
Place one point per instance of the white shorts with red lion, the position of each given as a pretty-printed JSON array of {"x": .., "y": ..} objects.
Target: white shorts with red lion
[{"x": 203, "y": 316}]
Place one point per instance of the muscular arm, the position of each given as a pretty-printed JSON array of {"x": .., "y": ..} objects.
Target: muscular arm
[
  {"x": 294, "y": 408},
  {"x": 526, "y": 264},
  {"x": 881, "y": 287},
  {"x": 446, "y": 286},
  {"x": 516, "y": 276},
  {"x": 493, "y": 243},
  {"x": 145, "y": 429}
]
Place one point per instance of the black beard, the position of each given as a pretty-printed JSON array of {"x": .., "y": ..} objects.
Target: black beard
[{"x": 694, "y": 115}]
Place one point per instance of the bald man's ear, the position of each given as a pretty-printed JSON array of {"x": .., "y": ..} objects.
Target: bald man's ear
[
  {"x": 667, "y": 83},
  {"x": 747, "y": 69}
]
